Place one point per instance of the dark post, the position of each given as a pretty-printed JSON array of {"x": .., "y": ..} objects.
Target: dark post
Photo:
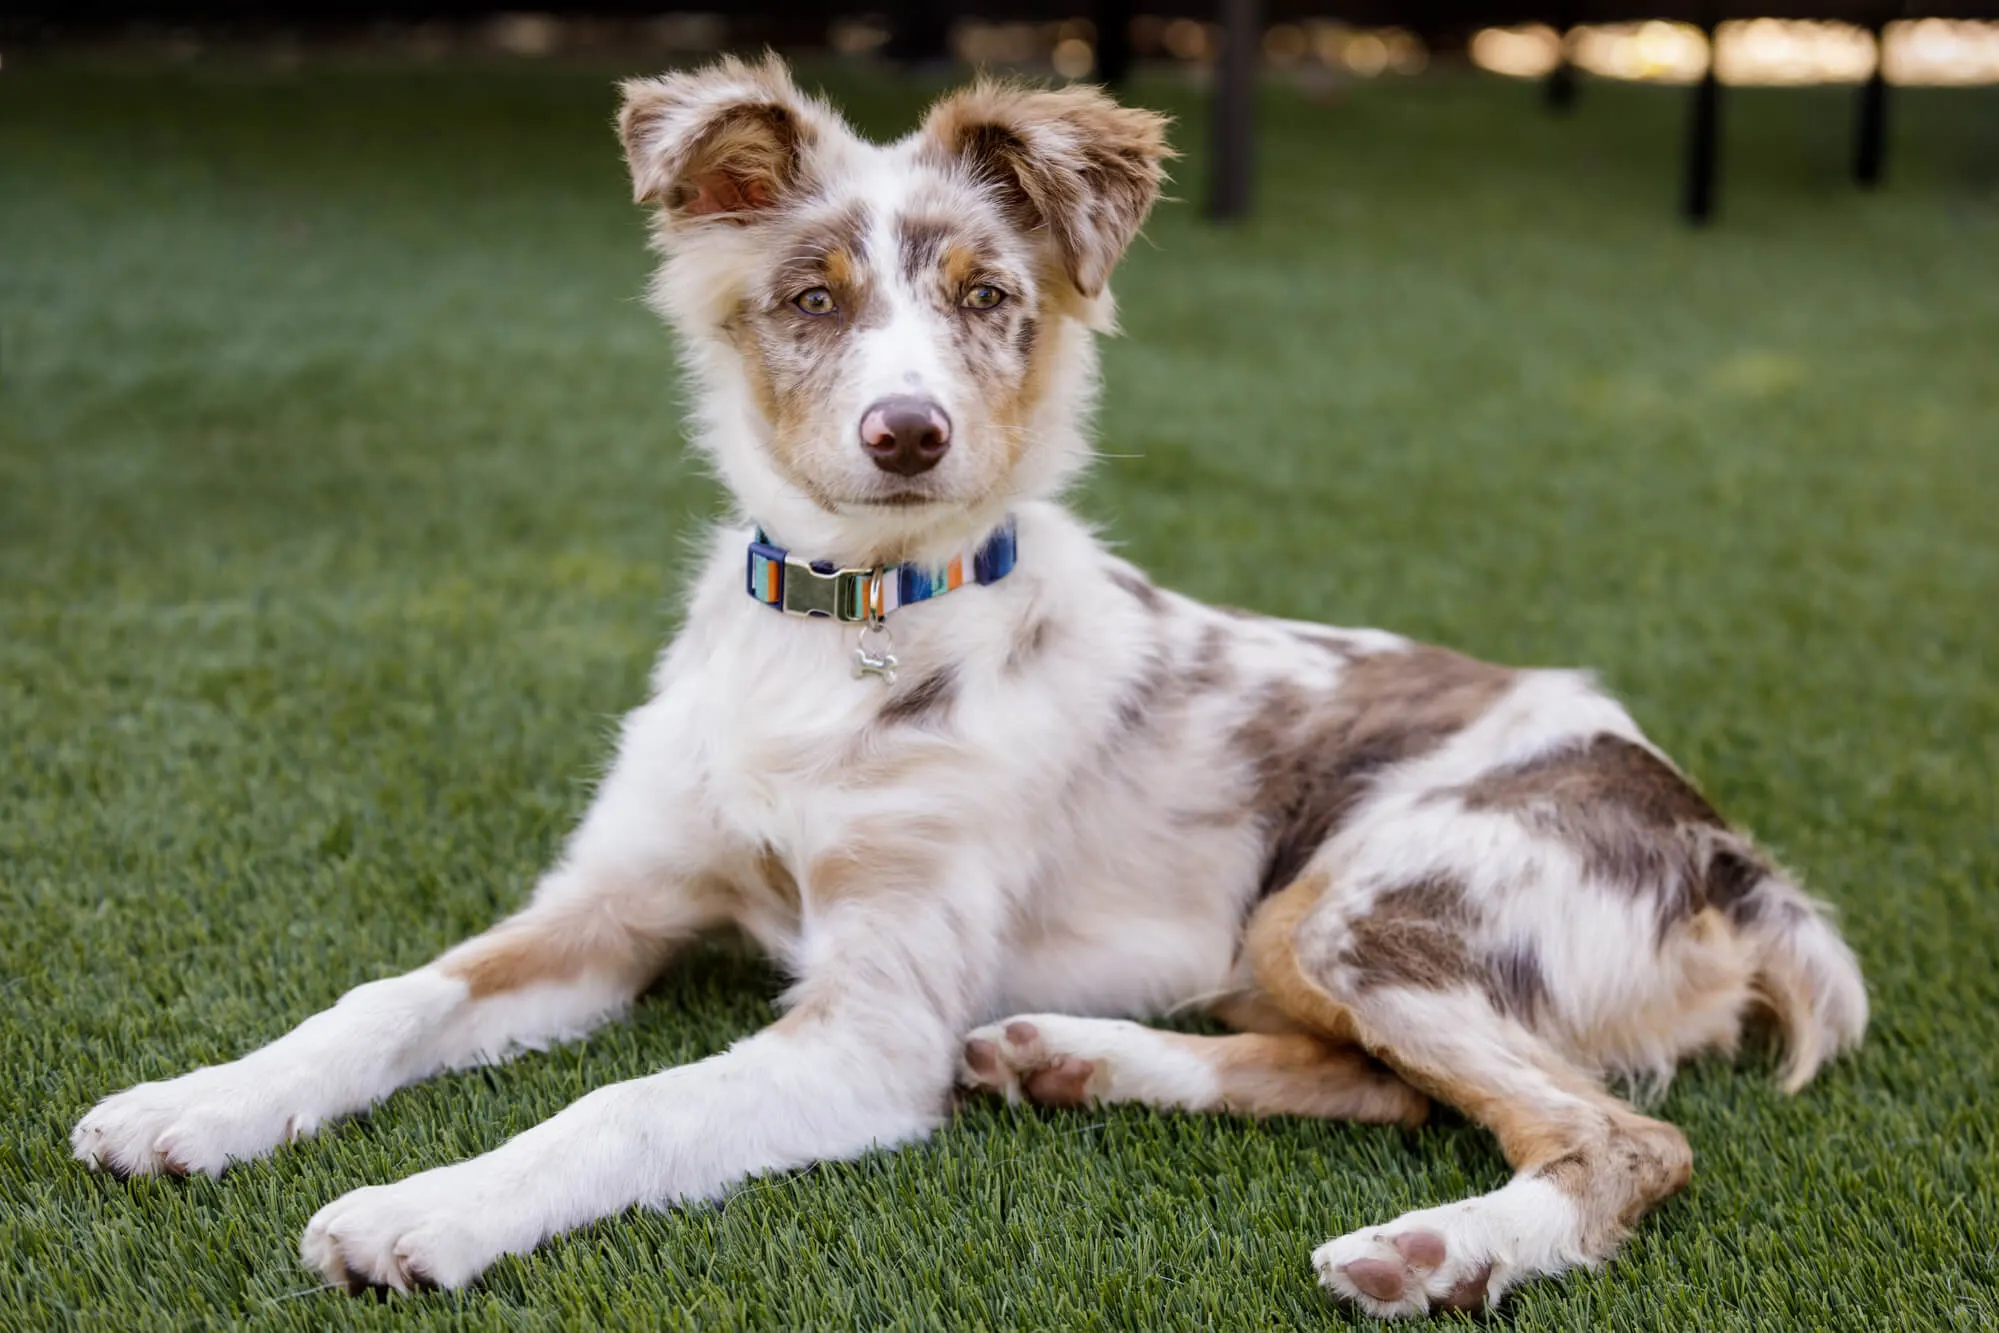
[
  {"x": 1559, "y": 92},
  {"x": 1703, "y": 131},
  {"x": 919, "y": 34},
  {"x": 1235, "y": 102},
  {"x": 1113, "y": 20},
  {"x": 1870, "y": 131}
]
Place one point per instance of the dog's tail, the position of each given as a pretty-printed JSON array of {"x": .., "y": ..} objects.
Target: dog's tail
[{"x": 1805, "y": 974}]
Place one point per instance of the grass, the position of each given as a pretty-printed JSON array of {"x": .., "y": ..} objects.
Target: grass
[{"x": 342, "y": 502}]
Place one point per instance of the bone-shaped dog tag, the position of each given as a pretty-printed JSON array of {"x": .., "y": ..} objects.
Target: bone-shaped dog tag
[{"x": 880, "y": 663}]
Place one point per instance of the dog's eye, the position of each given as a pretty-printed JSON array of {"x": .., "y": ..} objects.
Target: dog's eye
[
  {"x": 985, "y": 296},
  {"x": 818, "y": 301}
]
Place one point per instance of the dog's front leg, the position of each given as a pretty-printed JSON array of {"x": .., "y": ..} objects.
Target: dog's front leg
[
  {"x": 603, "y": 922},
  {"x": 864, "y": 1058}
]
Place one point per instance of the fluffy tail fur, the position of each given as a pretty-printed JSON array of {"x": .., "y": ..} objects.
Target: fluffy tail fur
[{"x": 1806, "y": 975}]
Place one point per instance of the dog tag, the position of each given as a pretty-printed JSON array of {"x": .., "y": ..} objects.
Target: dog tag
[{"x": 880, "y": 663}]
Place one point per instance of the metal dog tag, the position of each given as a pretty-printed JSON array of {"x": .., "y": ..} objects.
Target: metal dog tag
[{"x": 881, "y": 663}]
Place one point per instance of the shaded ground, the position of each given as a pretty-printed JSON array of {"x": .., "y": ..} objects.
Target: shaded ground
[{"x": 341, "y": 503}]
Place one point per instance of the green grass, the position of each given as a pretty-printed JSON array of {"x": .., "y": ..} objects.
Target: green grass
[{"x": 342, "y": 502}]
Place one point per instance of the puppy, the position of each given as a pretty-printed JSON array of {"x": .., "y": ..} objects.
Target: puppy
[{"x": 987, "y": 794}]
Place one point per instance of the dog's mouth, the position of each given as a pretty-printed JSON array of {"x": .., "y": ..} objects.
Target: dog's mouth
[{"x": 902, "y": 498}]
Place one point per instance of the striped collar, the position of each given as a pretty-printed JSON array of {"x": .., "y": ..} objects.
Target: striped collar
[{"x": 784, "y": 582}]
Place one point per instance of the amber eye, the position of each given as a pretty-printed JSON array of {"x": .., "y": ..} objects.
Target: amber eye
[
  {"x": 818, "y": 301},
  {"x": 985, "y": 296}
]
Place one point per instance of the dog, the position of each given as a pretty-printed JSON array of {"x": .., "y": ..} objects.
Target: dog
[{"x": 989, "y": 796}]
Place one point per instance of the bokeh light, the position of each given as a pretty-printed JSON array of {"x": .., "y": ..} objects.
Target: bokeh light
[{"x": 1765, "y": 51}]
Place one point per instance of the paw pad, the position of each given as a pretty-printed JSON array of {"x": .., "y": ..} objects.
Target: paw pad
[
  {"x": 1379, "y": 1278},
  {"x": 982, "y": 1058},
  {"x": 1064, "y": 1083},
  {"x": 1470, "y": 1292}
]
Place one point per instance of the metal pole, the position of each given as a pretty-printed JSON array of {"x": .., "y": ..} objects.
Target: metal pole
[
  {"x": 1703, "y": 135},
  {"x": 1870, "y": 131},
  {"x": 1113, "y": 20},
  {"x": 1234, "y": 144}
]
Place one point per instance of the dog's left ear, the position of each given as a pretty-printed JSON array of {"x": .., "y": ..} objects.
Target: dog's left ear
[{"x": 1069, "y": 161}]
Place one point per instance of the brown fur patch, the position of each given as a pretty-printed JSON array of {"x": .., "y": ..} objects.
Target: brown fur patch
[
  {"x": 1067, "y": 162},
  {"x": 1414, "y": 935},
  {"x": 921, "y": 241},
  {"x": 776, "y": 876},
  {"x": 961, "y": 264},
  {"x": 1210, "y": 668},
  {"x": 1014, "y": 403},
  {"x": 867, "y": 866},
  {"x": 1607, "y": 770},
  {"x": 1139, "y": 588},
  {"x": 1301, "y": 1074},
  {"x": 1336, "y": 646},
  {"x": 1634, "y": 821},
  {"x": 1253, "y": 1011},
  {"x": 726, "y": 141},
  {"x": 1618, "y": 1174},
  {"x": 504, "y": 961},
  {"x": 843, "y": 269},
  {"x": 825, "y": 249},
  {"x": 1026, "y": 334},
  {"x": 607, "y": 936},
  {"x": 1515, "y": 983},
  {"x": 1030, "y": 644},
  {"x": 1315, "y": 755},
  {"x": 928, "y": 700},
  {"x": 1270, "y": 946}
]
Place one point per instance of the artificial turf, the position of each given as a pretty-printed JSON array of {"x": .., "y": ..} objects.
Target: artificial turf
[{"x": 342, "y": 502}]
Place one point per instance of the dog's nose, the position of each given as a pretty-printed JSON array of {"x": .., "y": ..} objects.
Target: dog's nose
[{"x": 906, "y": 434}]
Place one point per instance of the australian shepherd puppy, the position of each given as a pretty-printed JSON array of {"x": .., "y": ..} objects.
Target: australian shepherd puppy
[{"x": 988, "y": 796}]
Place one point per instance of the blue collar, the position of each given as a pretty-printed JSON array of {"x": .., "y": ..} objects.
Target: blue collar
[{"x": 782, "y": 581}]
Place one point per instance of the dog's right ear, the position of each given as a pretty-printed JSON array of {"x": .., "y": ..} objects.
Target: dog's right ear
[{"x": 724, "y": 142}]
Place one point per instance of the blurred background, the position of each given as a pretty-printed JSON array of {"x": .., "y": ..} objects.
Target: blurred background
[{"x": 1223, "y": 45}]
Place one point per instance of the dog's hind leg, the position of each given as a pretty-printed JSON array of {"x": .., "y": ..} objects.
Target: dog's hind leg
[
  {"x": 1058, "y": 1060},
  {"x": 1586, "y": 1165}
]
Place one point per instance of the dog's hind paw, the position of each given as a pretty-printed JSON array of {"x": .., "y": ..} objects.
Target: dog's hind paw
[
  {"x": 1461, "y": 1256},
  {"x": 1026, "y": 1058},
  {"x": 1395, "y": 1272}
]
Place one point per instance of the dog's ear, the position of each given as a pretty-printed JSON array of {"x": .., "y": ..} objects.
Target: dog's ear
[
  {"x": 724, "y": 142},
  {"x": 1068, "y": 160}
]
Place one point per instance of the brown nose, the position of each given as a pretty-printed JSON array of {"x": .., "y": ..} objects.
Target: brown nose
[{"x": 906, "y": 434}]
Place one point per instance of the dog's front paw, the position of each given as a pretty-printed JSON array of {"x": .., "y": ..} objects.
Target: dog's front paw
[
  {"x": 429, "y": 1231},
  {"x": 199, "y": 1122}
]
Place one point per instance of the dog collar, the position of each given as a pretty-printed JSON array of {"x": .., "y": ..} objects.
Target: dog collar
[
  {"x": 782, "y": 581},
  {"x": 865, "y": 596}
]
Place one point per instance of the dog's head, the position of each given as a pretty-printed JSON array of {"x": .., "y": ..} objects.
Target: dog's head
[{"x": 893, "y": 341}]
